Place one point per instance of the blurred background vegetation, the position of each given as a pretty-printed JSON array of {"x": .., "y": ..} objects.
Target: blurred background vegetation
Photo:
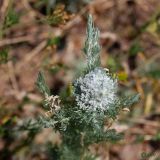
[{"x": 49, "y": 35}]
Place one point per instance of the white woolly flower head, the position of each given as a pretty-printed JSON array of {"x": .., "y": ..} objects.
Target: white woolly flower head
[{"x": 95, "y": 91}]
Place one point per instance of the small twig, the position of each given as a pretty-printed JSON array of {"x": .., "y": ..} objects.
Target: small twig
[
  {"x": 145, "y": 122},
  {"x": 27, "y": 38},
  {"x": 9, "y": 41},
  {"x": 35, "y": 51},
  {"x": 109, "y": 35},
  {"x": 12, "y": 76},
  {"x": 4, "y": 7},
  {"x": 31, "y": 55},
  {"x": 77, "y": 18},
  {"x": 3, "y": 13}
]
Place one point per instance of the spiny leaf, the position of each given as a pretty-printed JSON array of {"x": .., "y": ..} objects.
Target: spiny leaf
[
  {"x": 121, "y": 103},
  {"x": 92, "y": 47},
  {"x": 128, "y": 101},
  {"x": 41, "y": 84}
]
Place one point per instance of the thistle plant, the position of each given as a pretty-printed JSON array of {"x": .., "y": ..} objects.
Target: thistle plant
[{"x": 81, "y": 116}]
